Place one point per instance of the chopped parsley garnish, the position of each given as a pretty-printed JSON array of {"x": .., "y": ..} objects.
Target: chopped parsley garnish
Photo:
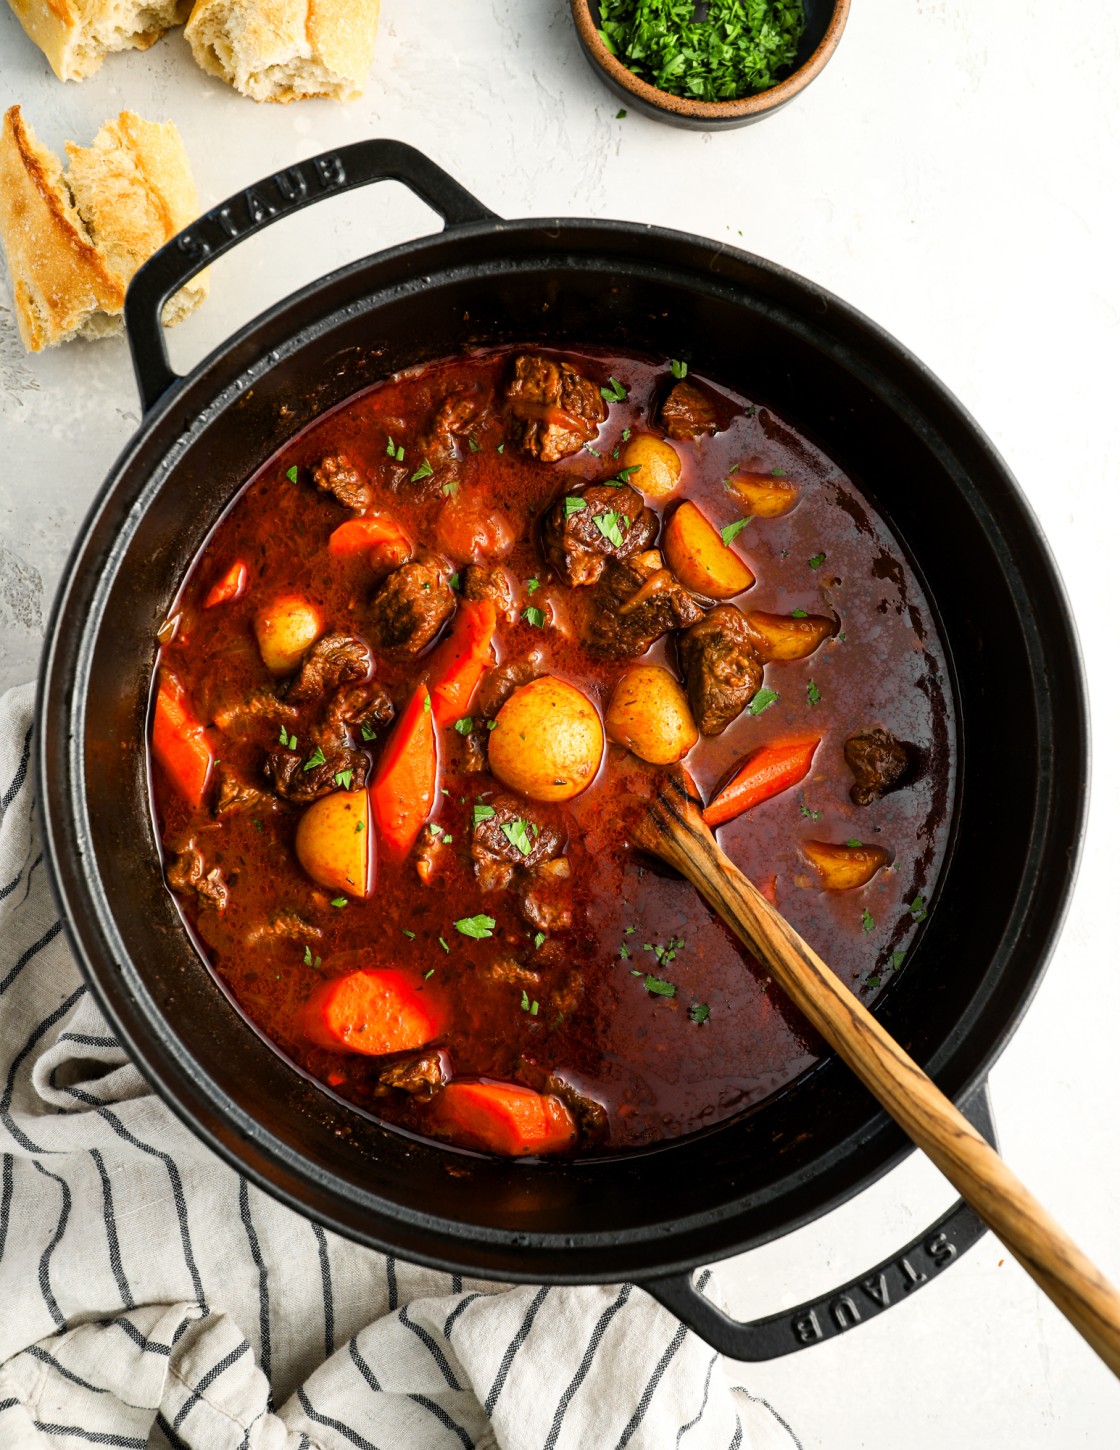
[
  {"x": 532, "y": 585},
  {"x": 572, "y": 505},
  {"x": 424, "y": 471},
  {"x": 810, "y": 815},
  {"x": 465, "y": 724},
  {"x": 608, "y": 526},
  {"x": 491, "y": 724},
  {"x": 257, "y": 826},
  {"x": 614, "y": 392},
  {"x": 292, "y": 474},
  {"x": 624, "y": 473},
  {"x": 310, "y": 961},
  {"x": 731, "y": 531},
  {"x": 763, "y": 700},
  {"x": 854, "y": 844},
  {"x": 799, "y": 614},
  {"x": 368, "y": 732},
  {"x": 778, "y": 473},
  {"x": 474, "y": 444},
  {"x": 479, "y": 927},
  {"x": 501, "y": 447},
  {"x": 482, "y": 812},
  {"x": 896, "y": 961},
  {"x": 447, "y": 840},
  {"x": 427, "y": 703},
  {"x": 630, "y": 930},
  {"x": 289, "y": 740},
  {"x": 434, "y": 828},
  {"x": 526, "y": 1006},
  {"x": 813, "y": 693},
  {"x": 679, "y": 369},
  {"x": 443, "y": 944},
  {"x": 539, "y": 939},
  {"x": 868, "y": 921},
  {"x": 343, "y": 778},
  {"x": 359, "y": 827},
  {"x": 699, "y": 1012},
  {"x": 659, "y": 986},
  {"x": 532, "y": 615},
  {"x": 917, "y": 908},
  {"x": 454, "y": 580},
  {"x": 620, "y": 115},
  {"x": 817, "y": 560},
  {"x": 625, "y": 435},
  {"x": 594, "y": 451},
  {"x": 339, "y": 902},
  {"x": 410, "y": 934},
  {"x": 451, "y": 488},
  {"x": 624, "y": 952},
  {"x": 873, "y": 981},
  {"x": 429, "y": 973},
  {"x": 517, "y": 834},
  {"x": 316, "y": 758}
]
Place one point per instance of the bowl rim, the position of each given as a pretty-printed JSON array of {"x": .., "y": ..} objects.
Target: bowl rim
[{"x": 757, "y": 104}]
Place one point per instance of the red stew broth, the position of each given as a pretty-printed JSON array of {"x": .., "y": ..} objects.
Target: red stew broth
[{"x": 657, "y": 1071}]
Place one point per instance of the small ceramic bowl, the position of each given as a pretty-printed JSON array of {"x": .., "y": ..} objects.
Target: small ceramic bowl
[{"x": 824, "y": 24}]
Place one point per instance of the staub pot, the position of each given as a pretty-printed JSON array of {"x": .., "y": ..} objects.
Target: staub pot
[{"x": 911, "y": 448}]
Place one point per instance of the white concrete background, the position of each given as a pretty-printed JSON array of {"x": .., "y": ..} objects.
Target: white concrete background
[{"x": 954, "y": 174}]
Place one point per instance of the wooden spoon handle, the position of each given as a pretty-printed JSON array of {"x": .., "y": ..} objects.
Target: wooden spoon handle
[{"x": 673, "y": 829}]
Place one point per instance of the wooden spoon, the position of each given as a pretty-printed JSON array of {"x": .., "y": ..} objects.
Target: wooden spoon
[{"x": 670, "y": 826}]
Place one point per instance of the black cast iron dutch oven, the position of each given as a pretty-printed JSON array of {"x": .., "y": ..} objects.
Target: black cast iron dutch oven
[{"x": 911, "y": 449}]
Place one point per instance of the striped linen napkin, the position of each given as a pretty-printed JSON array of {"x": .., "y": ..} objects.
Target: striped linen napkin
[{"x": 150, "y": 1296}]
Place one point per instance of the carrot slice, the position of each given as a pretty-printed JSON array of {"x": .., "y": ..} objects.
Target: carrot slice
[
  {"x": 503, "y": 1117},
  {"x": 377, "y": 534},
  {"x": 372, "y": 1012},
  {"x": 765, "y": 772},
  {"x": 229, "y": 587},
  {"x": 404, "y": 787},
  {"x": 179, "y": 744},
  {"x": 459, "y": 662}
]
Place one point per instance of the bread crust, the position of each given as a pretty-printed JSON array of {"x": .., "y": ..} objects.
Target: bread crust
[
  {"x": 73, "y": 242},
  {"x": 76, "y": 35},
  {"x": 286, "y": 50}
]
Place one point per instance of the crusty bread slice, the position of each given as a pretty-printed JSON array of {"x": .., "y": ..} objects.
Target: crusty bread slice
[
  {"x": 286, "y": 50},
  {"x": 73, "y": 242},
  {"x": 76, "y": 35}
]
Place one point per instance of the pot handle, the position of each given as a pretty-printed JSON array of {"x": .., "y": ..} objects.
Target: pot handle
[
  {"x": 888, "y": 1283},
  {"x": 257, "y": 207}
]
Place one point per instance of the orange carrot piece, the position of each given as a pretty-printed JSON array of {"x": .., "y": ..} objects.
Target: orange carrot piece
[
  {"x": 377, "y": 534},
  {"x": 372, "y": 1012},
  {"x": 229, "y": 587},
  {"x": 403, "y": 789},
  {"x": 179, "y": 744},
  {"x": 503, "y": 1117},
  {"x": 459, "y": 662},
  {"x": 765, "y": 772}
]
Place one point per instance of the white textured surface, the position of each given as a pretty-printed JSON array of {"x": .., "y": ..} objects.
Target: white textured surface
[{"x": 953, "y": 173}]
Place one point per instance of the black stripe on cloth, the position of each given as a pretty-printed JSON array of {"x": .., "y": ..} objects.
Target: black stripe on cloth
[
  {"x": 173, "y": 1174},
  {"x": 328, "y": 1291},
  {"x": 647, "y": 1394},
  {"x": 6, "y": 1200},
  {"x": 45, "y": 1261},
  {"x": 737, "y": 1438},
  {"x": 92, "y": 1437},
  {"x": 31, "y": 952},
  {"x": 304, "y": 1442},
  {"x": 116, "y": 1263},
  {"x": 453, "y": 1316},
  {"x": 391, "y": 1280},
  {"x": 766, "y": 1405},
  {"x": 87, "y": 1040},
  {"x": 17, "y": 1062},
  {"x": 169, "y": 1434},
  {"x": 444, "y": 1418},
  {"x": 244, "y": 1445},
  {"x": 684, "y": 1429},
  {"x": 20, "y": 776},
  {"x": 431, "y": 1346},
  {"x": 363, "y": 1367},
  {"x": 38, "y": 861},
  {"x": 206, "y": 1381},
  {"x": 67, "y": 1374},
  {"x": 127, "y": 1327},
  {"x": 6, "y": 891},
  {"x": 313, "y": 1414},
  {"x": 262, "y": 1280},
  {"x": 8, "y": 1405},
  {"x": 589, "y": 1354},
  {"x": 514, "y": 1345},
  {"x": 456, "y": 1283}
]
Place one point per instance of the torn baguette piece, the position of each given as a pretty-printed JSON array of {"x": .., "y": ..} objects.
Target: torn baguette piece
[
  {"x": 76, "y": 35},
  {"x": 286, "y": 50},
  {"x": 74, "y": 241}
]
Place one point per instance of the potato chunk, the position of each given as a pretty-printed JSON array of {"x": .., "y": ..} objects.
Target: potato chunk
[
  {"x": 765, "y": 495},
  {"x": 649, "y": 714},
  {"x": 658, "y": 464},
  {"x": 787, "y": 636},
  {"x": 286, "y": 628},
  {"x": 843, "y": 868},
  {"x": 700, "y": 559},
  {"x": 547, "y": 740},
  {"x": 334, "y": 844}
]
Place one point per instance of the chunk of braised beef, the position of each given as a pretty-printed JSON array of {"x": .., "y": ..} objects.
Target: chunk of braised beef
[
  {"x": 337, "y": 476},
  {"x": 455, "y": 417},
  {"x": 333, "y": 661},
  {"x": 591, "y": 1117},
  {"x": 637, "y": 601},
  {"x": 421, "y": 1077},
  {"x": 363, "y": 709},
  {"x": 519, "y": 834},
  {"x": 284, "y": 926},
  {"x": 554, "y": 410},
  {"x": 410, "y": 608},
  {"x": 879, "y": 762},
  {"x": 581, "y": 531},
  {"x": 429, "y": 852},
  {"x": 545, "y": 899},
  {"x": 687, "y": 412},
  {"x": 508, "y": 972},
  {"x": 722, "y": 672},
  {"x": 499, "y": 683},
  {"x": 237, "y": 714},
  {"x": 303, "y": 780},
  {"x": 473, "y": 757},
  {"x": 479, "y": 582},
  {"x": 236, "y": 794},
  {"x": 188, "y": 874}
]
